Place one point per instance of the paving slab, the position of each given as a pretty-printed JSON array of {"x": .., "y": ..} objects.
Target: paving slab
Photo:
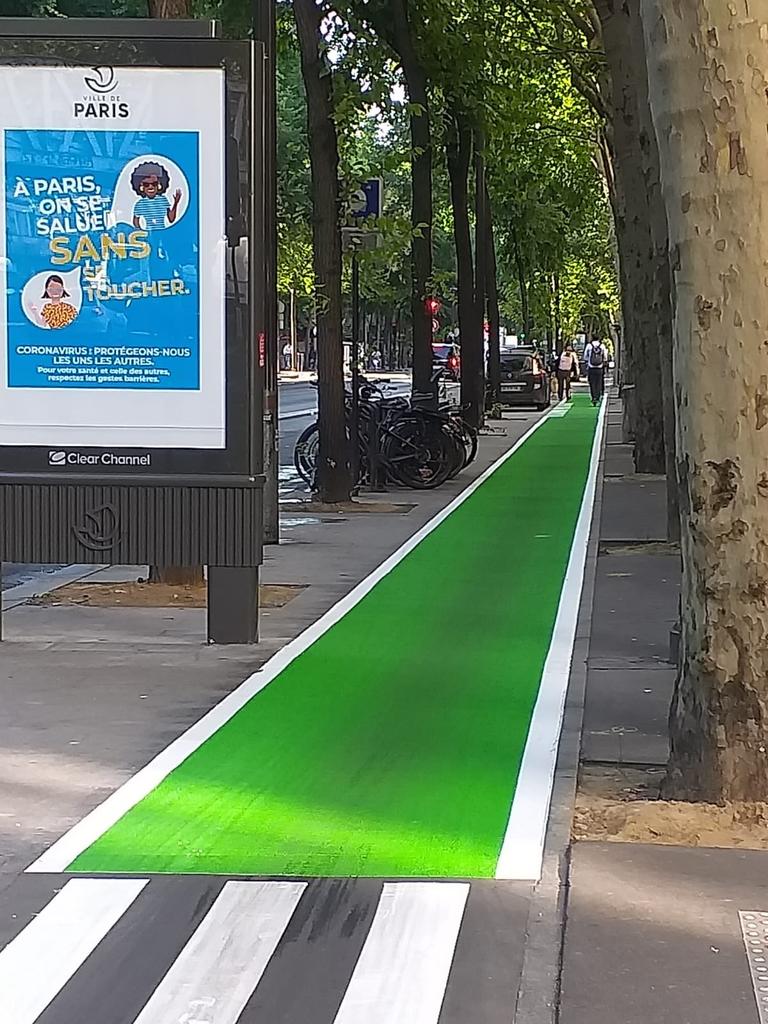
[
  {"x": 625, "y": 717},
  {"x": 654, "y": 937},
  {"x": 618, "y": 459},
  {"x": 634, "y": 509},
  {"x": 636, "y": 604}
]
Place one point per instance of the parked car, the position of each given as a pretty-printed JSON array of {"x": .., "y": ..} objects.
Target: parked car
[
  {"x": 524, "y": 379},
  {"x": 447, "y": 357}
]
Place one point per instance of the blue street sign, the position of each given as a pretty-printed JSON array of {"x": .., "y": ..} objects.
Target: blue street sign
[{"x": 367, "y": 200}]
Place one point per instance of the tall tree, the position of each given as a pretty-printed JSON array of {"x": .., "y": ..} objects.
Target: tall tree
[
  {"x": 633, "y": 233},
  {"x": 662, "y": 272},
  {"x": 394, "y": 21},
  {"x": 472, "y": 351},
  {"x": 707, "y": 82},
  {"x": 494, "y": 313},
  {"x": 459, "y": 158},
  {"x": 333, "y": 482}
]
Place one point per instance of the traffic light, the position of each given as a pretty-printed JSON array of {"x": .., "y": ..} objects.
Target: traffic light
[{"x": 432, "y": 306}]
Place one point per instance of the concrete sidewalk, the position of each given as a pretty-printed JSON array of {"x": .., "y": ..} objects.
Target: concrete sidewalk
[{"x": 649, "y": 933}]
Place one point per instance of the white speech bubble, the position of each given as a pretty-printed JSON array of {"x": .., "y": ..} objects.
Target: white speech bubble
[{"x": 33, "y": 296}]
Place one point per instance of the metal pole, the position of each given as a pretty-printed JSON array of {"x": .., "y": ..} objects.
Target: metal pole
[
  {"x": 264, "y": 31},
  {"x": 233, "y": 605},
  {"x": 355, "y": 426}
]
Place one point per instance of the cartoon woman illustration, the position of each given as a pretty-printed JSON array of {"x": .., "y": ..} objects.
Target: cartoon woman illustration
[
  {"x": 55, "y": 313},
  {"x": 151, "y": 181}
]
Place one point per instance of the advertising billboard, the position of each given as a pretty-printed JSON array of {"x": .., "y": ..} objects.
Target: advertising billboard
[{"x": 112, "y": 258}]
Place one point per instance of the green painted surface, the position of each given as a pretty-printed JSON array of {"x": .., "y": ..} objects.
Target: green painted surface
[{"x": 392, "y": 745}]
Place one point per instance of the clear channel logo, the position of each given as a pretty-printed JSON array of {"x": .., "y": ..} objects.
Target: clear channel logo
[{"x": 63, "y": 460}]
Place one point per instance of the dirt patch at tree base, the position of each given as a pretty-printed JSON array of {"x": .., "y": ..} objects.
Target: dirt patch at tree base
[
  {"x": 345, "y": 507},
  {"x": 645, "y": 547},
  {"x": 153, "y": 595},
  {"x": 622, "y": 805}
]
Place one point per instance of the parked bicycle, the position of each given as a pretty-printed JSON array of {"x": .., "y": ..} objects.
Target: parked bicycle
[{"x": 413, "y": 446}]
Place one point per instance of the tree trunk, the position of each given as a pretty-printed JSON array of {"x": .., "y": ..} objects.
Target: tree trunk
[
  {"x": 707, "y": 74},
  {"x": 662, "y": 279},
  {"x": 333, "y": 481},
  {"x": 472, "y": 347},
  {"x": 169, "y": 8},
  {"x": 178, "y": 575},
  {"x": 556, "y": 311},
  {"x": 459, "y": 155},
  {"x": 522, "y": 281},
  {"x": 642, "y": 367},
  {"x": 421, "y": 196},
  {"x": 494, "y": 315}
]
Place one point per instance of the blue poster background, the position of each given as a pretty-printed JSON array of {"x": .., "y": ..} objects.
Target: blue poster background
[{"x": 138, "y": 322}]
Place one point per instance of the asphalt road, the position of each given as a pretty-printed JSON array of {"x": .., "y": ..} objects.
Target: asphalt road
[{"x": 14, "y": 574}]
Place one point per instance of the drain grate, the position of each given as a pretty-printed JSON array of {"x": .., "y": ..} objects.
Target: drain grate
[{"x": 754, "y": 929}]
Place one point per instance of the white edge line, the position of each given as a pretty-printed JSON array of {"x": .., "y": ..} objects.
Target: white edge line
[
  {"x": 82, "y": 835},
  {"x": 522, "y": 850}
]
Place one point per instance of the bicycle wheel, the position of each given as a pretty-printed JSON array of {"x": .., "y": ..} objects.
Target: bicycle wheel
[
  {"x": 418, "y": 453},
  {"x": 457, "y": 443},
  {"x": 305, "y": 454},
  {"x": 471, "y": 440}
]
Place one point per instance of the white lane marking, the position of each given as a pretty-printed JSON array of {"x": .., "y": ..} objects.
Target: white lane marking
[
  {"x": 403, "y": 970},
  {"x": 522, "y": 851},
  {"x": 38, "y": 963},
  {"x": 754, "y": 931},
  {"x": 217, "y": 971},
  {"x": 82, "y": 835}
]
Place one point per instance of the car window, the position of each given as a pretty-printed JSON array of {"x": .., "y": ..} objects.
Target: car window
[
  {"x": 517, "y": 364},
  {"x": 441, "y": 351}
]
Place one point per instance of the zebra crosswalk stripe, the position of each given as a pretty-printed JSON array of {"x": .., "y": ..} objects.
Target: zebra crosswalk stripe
[
  {"x": 42, "y": 959},
  {"x": 403, "y": 969},
  {"x": 223, "y": 962}
]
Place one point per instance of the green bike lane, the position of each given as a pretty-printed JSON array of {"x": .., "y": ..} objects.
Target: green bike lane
[{"x": 389, "y": 742}]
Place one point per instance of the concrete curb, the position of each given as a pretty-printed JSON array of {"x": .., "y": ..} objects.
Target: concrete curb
[
  {"x": 45, "y": 583},
  {"x": 538, "y": 996}
]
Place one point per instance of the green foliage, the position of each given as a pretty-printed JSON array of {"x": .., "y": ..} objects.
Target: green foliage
[
  {"x": 73, "y": 8},
  {"x": 518, "y": 69}
]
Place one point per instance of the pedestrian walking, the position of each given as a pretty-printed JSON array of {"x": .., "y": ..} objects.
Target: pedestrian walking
[
  {"x": 567, "y": 369},
  {"x": 596, "y": 359}
]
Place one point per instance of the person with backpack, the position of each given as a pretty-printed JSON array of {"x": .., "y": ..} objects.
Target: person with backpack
[
  {"x": 596, "y": 360},
  {"x": 567, "y": 370}
]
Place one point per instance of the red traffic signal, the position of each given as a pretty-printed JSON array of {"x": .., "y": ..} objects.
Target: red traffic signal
[{"x": 432, "y": 306}]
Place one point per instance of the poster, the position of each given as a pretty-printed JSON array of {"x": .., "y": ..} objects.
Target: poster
[{"x": 112, "y": 257}]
